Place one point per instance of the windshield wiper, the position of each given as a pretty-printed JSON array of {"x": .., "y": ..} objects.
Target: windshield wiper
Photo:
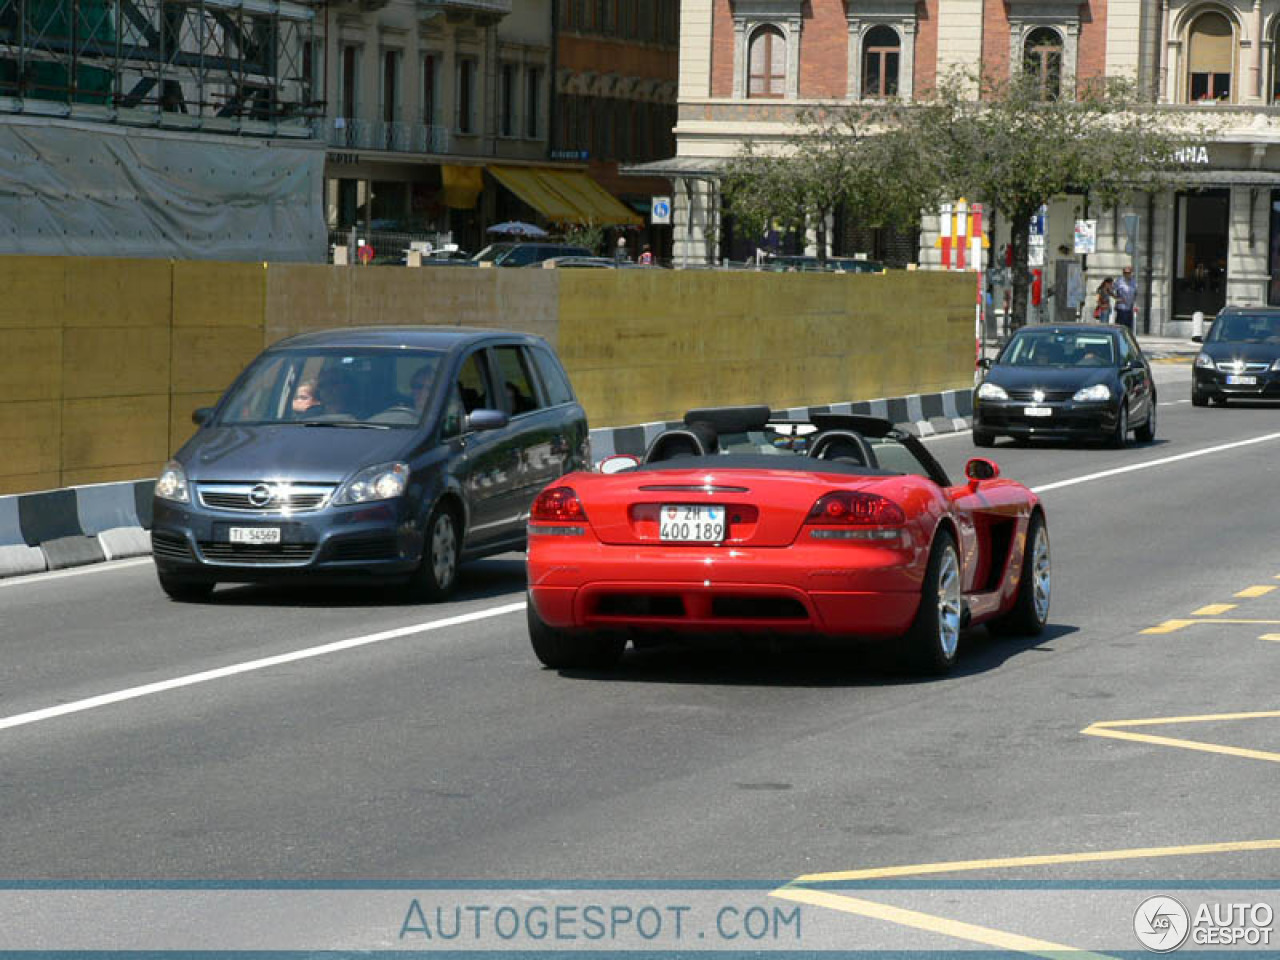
[{"x": 345, "y": 424}]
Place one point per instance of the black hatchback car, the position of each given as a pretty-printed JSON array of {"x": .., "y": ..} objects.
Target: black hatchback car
[
  {"x": 1072, "y": 381},
  {"x": 388, "y": 453},
  {"x": 1239, "y": 358}
]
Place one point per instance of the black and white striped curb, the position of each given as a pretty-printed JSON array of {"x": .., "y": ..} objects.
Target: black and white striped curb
[
  {"x": 71, "y": 527},
  {"x": 925, "y": 415},
  {"x": 55, "y": 529}
]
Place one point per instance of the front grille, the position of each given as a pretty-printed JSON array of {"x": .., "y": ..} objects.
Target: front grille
[
  {"x": 291, "y": 498},
  {"x": 1050, "y": 396},
  {"x": 1232, "y": 367},
  {"x": 171, "y": 546},
  {"x": 364, "y": 548},
  {"x": 258, "y": 552}
]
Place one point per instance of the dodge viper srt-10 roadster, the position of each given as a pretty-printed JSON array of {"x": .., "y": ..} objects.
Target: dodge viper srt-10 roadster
[{"x": 736, "y": 523}]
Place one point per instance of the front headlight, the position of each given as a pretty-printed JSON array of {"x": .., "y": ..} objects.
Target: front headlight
[
  {"x": 1099, "y": 391},
  {"x": 1275, "y": 367},
  {"x": 992, "y": 391},
  {"x": 1204, "y": 361},
  {"x": 385, "y": 481},
  {"x": 172, "y": 483}
]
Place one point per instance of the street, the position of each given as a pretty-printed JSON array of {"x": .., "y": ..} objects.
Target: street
[{"x": 389, "y": 739}]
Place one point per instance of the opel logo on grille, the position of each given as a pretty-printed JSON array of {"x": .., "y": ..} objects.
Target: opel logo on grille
[
  {"x": 1038, "y": 396},
  {"x": 261, "y": 495}
]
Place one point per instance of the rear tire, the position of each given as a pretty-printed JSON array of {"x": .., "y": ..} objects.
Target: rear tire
[
  {"x": 562, "y": 650},
  {"x": 983, "y": 438},
  {"x": 933, "y": 642},
  {"x": 437, "y": 575},
  {"x": 185, "y": 589},
  {"x": 1030, "y": 611},
  {"x": 1147, "y": 432}
]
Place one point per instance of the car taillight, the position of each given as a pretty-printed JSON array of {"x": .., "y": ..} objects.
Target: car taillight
[
  {"x": 856, "y": 509},
  {"x": 557, "y": 512}
]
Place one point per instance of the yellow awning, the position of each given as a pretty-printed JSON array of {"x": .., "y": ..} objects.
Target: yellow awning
[
  {"x": 594, "y": 203},
  {"x": 462, "y": 186},
  {"x": 565, "y": 196},
  {"x": 525, "y": 183}
]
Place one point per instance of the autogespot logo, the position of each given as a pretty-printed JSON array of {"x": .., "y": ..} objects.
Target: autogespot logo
[{"x": 1161, "y": 923}]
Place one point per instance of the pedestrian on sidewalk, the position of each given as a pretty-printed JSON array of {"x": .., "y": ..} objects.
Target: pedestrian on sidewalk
[
  {"x": 1102, "y": 308},
  {"x": 1126, "y": 290}
]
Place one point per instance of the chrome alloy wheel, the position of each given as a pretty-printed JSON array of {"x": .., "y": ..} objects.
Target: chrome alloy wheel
[
  {"x": 444, "y": 550},
  {"x": 1041, "y": 578},
  {"x": 949, "y": 603}
]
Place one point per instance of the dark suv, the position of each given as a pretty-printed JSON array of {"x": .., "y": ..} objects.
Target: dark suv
[
  {"x": 388, "y": 453},
  {"x": 1240, "y": 358},
  {"x": 523, "y": 254}
]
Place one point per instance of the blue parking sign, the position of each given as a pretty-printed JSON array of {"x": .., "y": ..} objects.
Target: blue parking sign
[{"x": 660, "y": 212}]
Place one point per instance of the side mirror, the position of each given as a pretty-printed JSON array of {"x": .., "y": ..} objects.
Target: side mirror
[
  {"x": 1197, "y": 339},
  {"x": 617, "y": 463},
  {"x": 984, "y": 363},
  {"x": 202, "y": 415},
  {"x": 979, "y": 469},
  {"x": 486, "y": 420}
]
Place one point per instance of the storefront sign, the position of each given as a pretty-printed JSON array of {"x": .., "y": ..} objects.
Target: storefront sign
[
  {"x": 343, "y": 157},
  {"x": 1194, "y": 154}
]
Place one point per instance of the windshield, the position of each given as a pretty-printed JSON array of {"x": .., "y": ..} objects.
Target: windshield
[
  {"x": 492, "y": 252},
  {"x": 341, "y": 388},
  {"x": 1243, "y": 328},
  {"x": 1056, "y": 348}
]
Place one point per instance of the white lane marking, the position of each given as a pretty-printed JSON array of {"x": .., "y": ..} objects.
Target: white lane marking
[
  {"x": 1147, "y": 464},
  {"x": 1172, "y": 403},
  {"x": 163, "y": 686},
  {"x": 77, "y": 572}
]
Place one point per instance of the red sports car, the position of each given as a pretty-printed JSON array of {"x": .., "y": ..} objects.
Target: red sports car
[{"x": 842, "y": 526}]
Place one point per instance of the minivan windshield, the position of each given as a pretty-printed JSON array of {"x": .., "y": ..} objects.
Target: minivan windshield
[
  {"x": 493, "y": 252},
  {"x": 1245, "y": 328},
  {"x": 1055, "y": 348},
  {"x": 372, "y": 388}
]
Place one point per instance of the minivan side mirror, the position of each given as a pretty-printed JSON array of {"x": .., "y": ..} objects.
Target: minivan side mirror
[
  {"x": 1197, "y": 339},
  {"x": 201, "y": 415},
  {"x": 483, "y": 419},
  {"x": 984, "y": 363}
]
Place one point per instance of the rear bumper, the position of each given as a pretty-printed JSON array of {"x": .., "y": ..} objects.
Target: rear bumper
[{"x": 837, "y": 591}]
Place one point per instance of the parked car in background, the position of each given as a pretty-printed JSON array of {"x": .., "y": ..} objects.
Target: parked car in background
[
  {"x": 806, "y": 264},
  {"x": 507, "y": 254},
  {"x": 585, "y": 263},
  {"x": 1240, "y": 357},
  {"x": 377, "y": 454},
  {"x": 1070, "y": 381}
]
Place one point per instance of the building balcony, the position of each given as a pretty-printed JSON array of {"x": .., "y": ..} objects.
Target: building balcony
[
  {"x": 392, "y": 137},
  {"x": 499, "y": 8}
]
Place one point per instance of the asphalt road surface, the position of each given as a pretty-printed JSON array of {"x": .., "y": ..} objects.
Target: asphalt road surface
[{"x": 146, "y": 739}]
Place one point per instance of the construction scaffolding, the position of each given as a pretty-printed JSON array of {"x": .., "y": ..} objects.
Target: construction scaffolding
[{"x": 241, "y": 66}]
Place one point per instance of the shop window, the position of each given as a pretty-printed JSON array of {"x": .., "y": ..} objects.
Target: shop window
[
  {"x": 1210, "y": 56},
  {"x": 881, "y": 54},
  {"x": 767, "y": 64},
  {"x": 1042, "y": 60}
]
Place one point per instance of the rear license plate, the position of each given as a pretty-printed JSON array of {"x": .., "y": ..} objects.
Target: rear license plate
[
  {"x": 690, "y": 523},
  {"x": 1037, "y": 411},
  {"x": 1236, "y": 380},
  {"x": 255, "y": 534}
]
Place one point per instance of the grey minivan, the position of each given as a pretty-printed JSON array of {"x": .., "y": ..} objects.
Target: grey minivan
[{"x": 375, "y": 453}]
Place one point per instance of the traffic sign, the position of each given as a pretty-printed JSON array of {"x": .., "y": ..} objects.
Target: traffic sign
[{"x": 660, "y": 212}]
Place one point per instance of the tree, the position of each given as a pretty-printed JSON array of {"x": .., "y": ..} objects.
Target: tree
[
  {"x": 1016, "y": 150},
  {"x": 835, "y": 157}
]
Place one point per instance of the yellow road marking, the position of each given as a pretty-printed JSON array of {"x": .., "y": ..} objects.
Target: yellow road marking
[
  {"x": 1259, "y": 591},
  {"x": 1116, "y": 730},
  {"x": 1169, "y": 626},
  {"x": 934, "y": 924},
  {"x": 1271, "y": 636},
  {"x": 1006, "y": 863},
  {"x": 1213, "y": 609}
]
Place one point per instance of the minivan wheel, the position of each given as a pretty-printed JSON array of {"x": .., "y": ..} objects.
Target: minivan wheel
[
  {"x": 983, "y": 438},
  {"x": 185, "y": 589},
  {"x": 438, "y": 573}
]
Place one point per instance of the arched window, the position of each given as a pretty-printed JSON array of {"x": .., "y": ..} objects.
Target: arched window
[
  {"x": 1042, "y": 60},
  {"x": 881, "y": 49},
  {"x": 1210, "y": 53},
  {"x": 767, "y": 64}
]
